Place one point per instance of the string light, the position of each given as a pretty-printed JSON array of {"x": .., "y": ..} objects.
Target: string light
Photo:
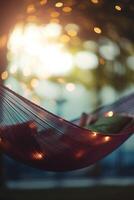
[
  {"x": 109, "y": 114},
  {"x": 107, "y": 138},
  {"x": 59, "y": 4},
  {"x": 38, "y": 156},
  {"x": 97, "y": 30},
  {"x": 118, "y": 8},
  {"x": 94, "y": 134}
]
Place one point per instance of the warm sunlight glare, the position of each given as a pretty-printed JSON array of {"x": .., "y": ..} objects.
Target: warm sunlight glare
[{"x": 35, "y": 50}]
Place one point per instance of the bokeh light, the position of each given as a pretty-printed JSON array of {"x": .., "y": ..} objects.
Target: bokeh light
[
  {"x": 86, "y": 60},
  {"x": 109, "y": 114},
  {"x": 117, "y": 7},
  {"x": 4, "y": 75},
  {"x": 59, "y": 4},
  {"x": 67, "y": 9},
  {"x": 108, "y": 49},
  {"x": 95, "y": 1},
  {"x": 70, "y": 87},
  {"x": 97, "y": 30},
  {"x": 43, "y": 2},
  {"x": 130, "y": 62}
]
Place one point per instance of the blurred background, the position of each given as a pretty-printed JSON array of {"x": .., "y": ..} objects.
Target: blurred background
[{"x": 70, "y": 57}]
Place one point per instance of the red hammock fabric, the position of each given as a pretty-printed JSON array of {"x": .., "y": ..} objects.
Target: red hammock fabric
[{"x": 34, "y": 136}]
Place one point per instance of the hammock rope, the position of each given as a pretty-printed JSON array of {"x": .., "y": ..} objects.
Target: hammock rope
[
  {"x": 27, "y": 113},
  {"x": 34, "y": 136}
]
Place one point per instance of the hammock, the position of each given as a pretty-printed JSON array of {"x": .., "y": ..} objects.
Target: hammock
[{"x": 34, "y": 136}]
